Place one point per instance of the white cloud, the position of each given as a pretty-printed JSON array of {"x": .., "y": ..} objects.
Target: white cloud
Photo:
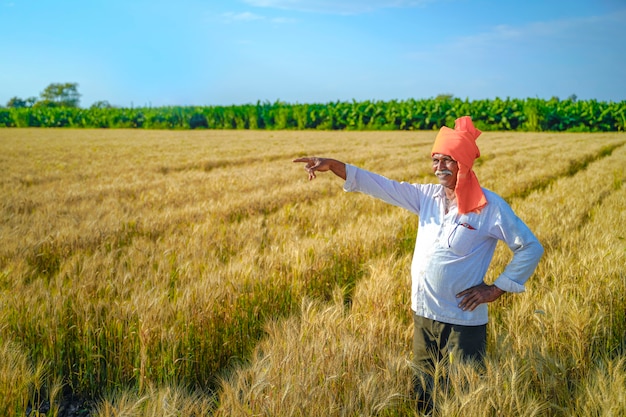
[
  {"x": 231, "y": 17},
  {"x": 336, "y": 6},
  {"x": 575, "y": 28},
  {"x": 241, "y": 17},
  {"x": 553, "y": 58},
  {"x": 589, "y": 31}
]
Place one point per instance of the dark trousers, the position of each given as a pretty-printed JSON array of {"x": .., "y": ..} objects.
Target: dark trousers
[{"x": 436, "y": 342}]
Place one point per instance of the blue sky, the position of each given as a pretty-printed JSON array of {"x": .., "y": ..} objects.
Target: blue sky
[{"x": 222, "y": 52}]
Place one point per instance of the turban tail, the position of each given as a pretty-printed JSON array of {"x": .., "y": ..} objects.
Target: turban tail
[{"x": 460, "y": 144}]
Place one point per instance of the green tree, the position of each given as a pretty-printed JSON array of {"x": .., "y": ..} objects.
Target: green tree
[
  {"x": 18, "y": 103},
  {"x": 444, "y": 97},
  {"x": 60, "y": 95},
  {"x": 102, "y": 104}
]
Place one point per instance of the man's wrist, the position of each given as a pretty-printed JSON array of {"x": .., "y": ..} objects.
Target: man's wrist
[
  {"x": 497, "y": 290},
  {"x": 338, "y": 168}
]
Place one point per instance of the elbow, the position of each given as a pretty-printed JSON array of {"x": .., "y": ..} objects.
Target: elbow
[
  {"x": 539, "y": 250},
  {"x": 532, "y": 250},
  {"x": 536, "y": 249},
  {"x": 531, "y": 247}
]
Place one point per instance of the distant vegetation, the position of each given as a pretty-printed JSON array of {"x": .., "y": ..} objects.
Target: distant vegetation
[
  {"x": 54, "y": 95},
  {"x": 58, "y": 107}
]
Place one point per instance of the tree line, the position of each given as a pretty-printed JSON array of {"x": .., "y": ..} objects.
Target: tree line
[{"x": 59, "y": 107}]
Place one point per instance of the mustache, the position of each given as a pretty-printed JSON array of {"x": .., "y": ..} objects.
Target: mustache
[{"x": 443, "y": 172}]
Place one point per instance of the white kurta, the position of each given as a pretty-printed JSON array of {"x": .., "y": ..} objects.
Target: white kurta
[{"x": 453, "y": 251}]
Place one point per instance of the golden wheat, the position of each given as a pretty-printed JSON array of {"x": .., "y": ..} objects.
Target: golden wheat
[{"x": 186, "y": 273}]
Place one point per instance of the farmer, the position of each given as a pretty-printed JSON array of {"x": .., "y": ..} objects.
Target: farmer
[{"x": 459, "y": 225}]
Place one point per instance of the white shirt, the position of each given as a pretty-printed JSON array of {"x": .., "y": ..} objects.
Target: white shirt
[{"x": 453, "y": 251}]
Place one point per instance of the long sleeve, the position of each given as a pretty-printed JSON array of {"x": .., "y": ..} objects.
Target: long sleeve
[
  {"x": 401, "y": 194},
  {"x": 526, "y": 248}
]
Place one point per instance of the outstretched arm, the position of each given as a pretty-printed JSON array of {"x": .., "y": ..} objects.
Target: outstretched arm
[{"x": 314, "y": 164}]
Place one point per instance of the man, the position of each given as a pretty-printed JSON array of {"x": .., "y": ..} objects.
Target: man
[{"x": 459, "y": 225}]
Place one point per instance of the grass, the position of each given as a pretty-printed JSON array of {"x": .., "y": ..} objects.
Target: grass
[{"x": 194, "y": 273}]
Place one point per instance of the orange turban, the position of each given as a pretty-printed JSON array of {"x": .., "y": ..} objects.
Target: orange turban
[{"x": 460, "y": 144}]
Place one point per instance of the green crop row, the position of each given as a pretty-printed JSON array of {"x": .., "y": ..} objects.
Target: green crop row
[{"x": 511, "y": 114}]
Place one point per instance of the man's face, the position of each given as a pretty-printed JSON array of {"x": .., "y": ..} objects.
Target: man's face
[{"x": 445, "y": 169}]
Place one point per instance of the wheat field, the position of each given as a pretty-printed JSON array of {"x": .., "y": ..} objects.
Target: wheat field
[{"x": 188, "y": 273}]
